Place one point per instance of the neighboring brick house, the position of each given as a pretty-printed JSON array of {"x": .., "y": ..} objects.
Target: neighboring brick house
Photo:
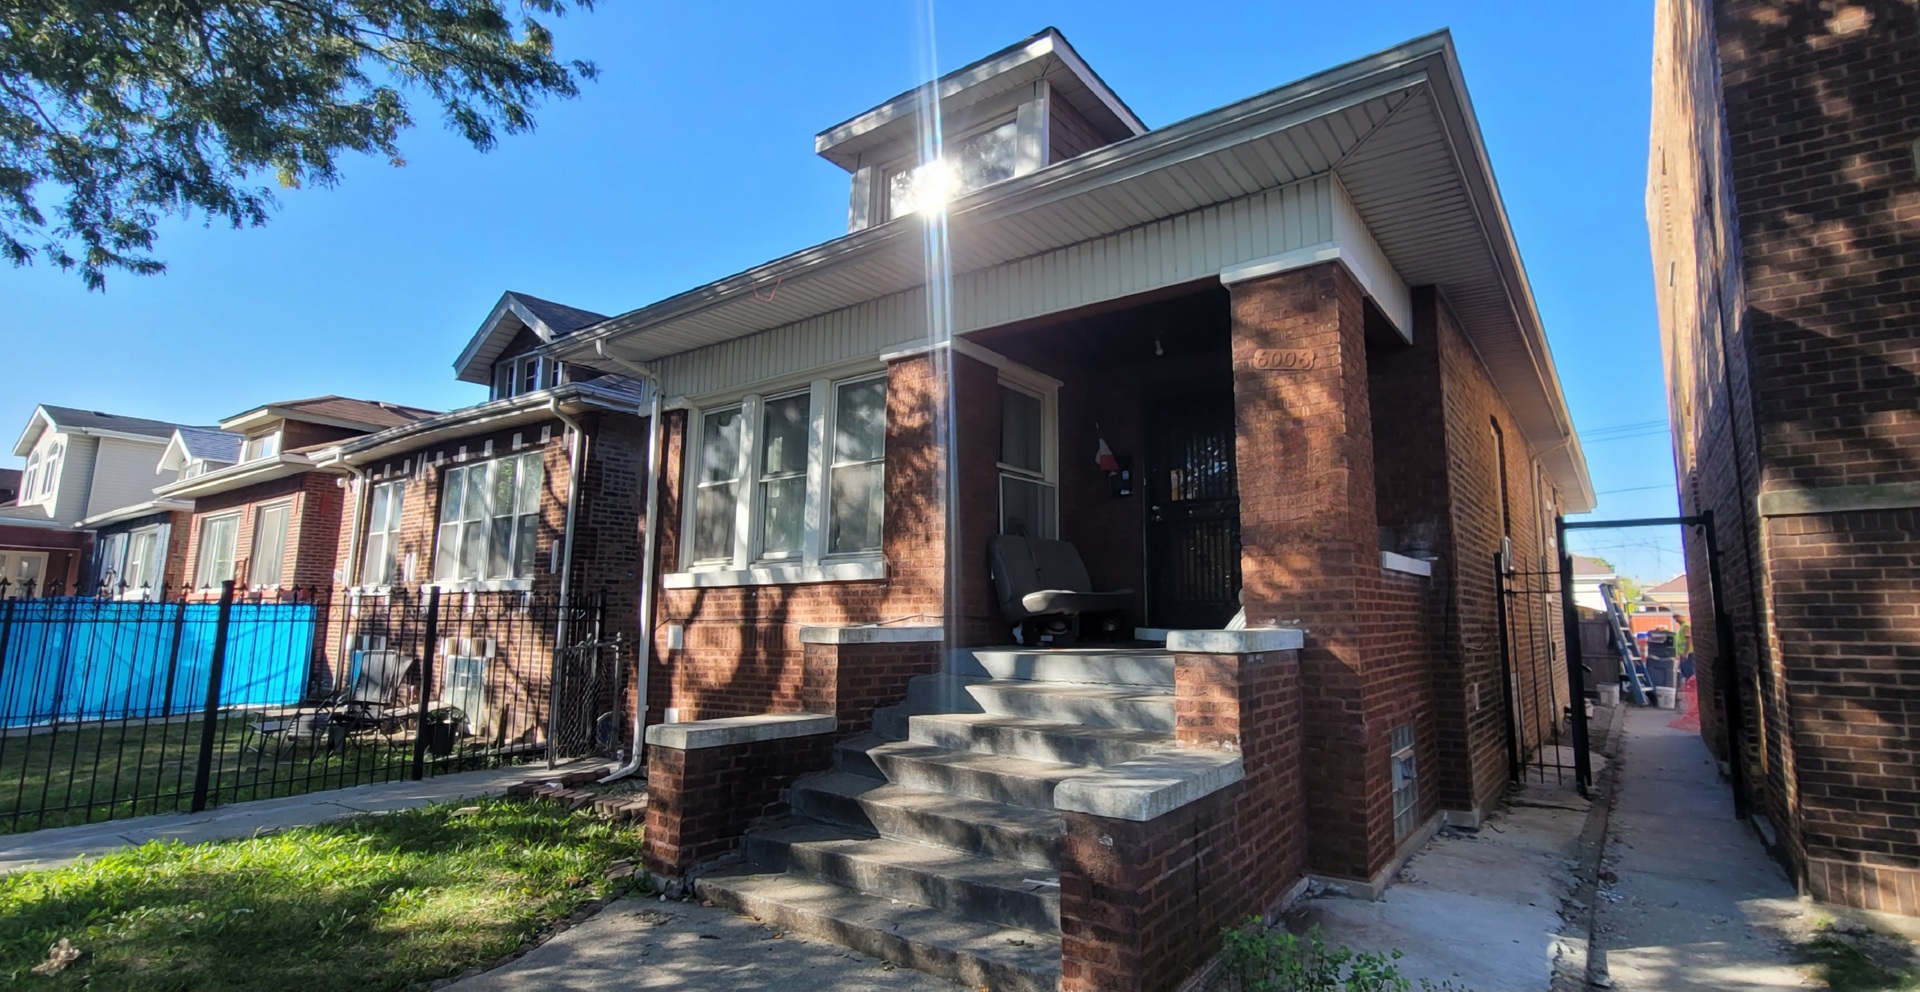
[
  {"x": 1782, "y": 183},
  {"x": 482, "y": 502},
  {"x": 270, "y": 520},
  {"x": 1299, "y": 323},
  {"x": 82, "y": 466}
]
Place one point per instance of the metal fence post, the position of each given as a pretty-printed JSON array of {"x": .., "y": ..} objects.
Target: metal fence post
[
  {"x": 1514, "y": 728},
  {"x": 173, "y": 660},
  {"x": 1576, "y": 676},
  {"x": 426, "y": 683},
  {"x": 216, "y": 672},
  {"x": 6, "y": 625}
]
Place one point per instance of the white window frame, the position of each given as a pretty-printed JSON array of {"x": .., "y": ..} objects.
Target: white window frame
[
  {"x": 748, "y": 564},
  {"x": 16, "y": 588},
  {"x": 143, "y": 580},
  {"x": 510, "y": 373},
  {"x": 201, "y": 577},
  {"x": 396, "y": 494},
  {"x": 913, "y": 164},
  {"x": 1021, "y": 379},
  {"x": 260, "y": 447},
  {"x": 260, "y": 511},
  {"x": 510, "y": 581},
  {"x": 42, "y": 477}
]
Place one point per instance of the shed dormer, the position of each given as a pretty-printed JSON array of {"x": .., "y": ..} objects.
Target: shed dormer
[{"x": 1014, "y": 112}]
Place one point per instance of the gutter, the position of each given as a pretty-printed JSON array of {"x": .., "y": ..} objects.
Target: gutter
[
  {"x": 576, "y": 460},
  {"x": 643, "y": 652}
]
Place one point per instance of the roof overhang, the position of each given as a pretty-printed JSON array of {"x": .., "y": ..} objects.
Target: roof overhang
[
  {"x": 1045, "y": 56},
  {"x": 265, "y": 415},
  {"x": 134, "y": 512},
  {"x": 1395, "y": 128},
  {"x": 530, "y": 408},
  {"x": 475, "y": 363},
  {"x": 233, "y": 477},
  {"x": 41, "y": 422},
  {"x": 37, "y": 425}
]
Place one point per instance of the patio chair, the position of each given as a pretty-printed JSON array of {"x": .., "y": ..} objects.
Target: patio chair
[
  {"x": 1043, "y": 587},
  {"x": 372, "y": 700}
]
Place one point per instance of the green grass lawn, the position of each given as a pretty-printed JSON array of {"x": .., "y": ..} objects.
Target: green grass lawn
[
  {"x": 115, "y": 771},
  {"x": 368, "y": 903}
]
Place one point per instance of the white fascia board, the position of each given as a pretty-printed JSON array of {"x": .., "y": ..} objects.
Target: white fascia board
[
  {"x": 236, "y": 476},
  {"x": 175, "y": 457},
  {"x": 1356, "y": 251},
  {"x": 147, "y": 509},
  {"x": 37, "y": 425},
  {"x": 509, "y": 304}
]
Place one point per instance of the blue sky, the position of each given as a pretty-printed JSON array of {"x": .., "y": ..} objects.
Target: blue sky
[{"x": 691, "y": 158}]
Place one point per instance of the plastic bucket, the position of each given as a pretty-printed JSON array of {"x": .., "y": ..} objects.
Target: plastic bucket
[
  {"x": 1609, "y": 695},
  {"x": 1663, "y": 697}
]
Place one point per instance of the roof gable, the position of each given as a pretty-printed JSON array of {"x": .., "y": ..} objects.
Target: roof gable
[
  {"x": 76, "y": 421},
  {"x": 330, "y": 410},
  {"x": 199, "y": 444},
  {"x": 548, "y": 320}
]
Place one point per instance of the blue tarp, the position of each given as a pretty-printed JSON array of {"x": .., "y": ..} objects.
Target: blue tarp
[{"x": 84, "y": 659}]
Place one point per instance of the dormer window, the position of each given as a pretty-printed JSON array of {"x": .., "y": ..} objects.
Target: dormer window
[
  {"x": 979, "y": 159},
  {"x": 260, "y": 446},
  {"x": 524, "y": 374}
]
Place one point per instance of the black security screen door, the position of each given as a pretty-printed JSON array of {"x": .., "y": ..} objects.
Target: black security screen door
[{"x": 1193, "y": 513}]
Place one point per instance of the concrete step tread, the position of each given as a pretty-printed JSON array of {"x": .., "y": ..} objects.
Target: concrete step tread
[
  {"x": 915, "y": 936},
  {"x": 1030, "y": 724},
  {"x": 1089, "y": 665},
  {"x": 856, "y": 845},
  {"x": 1085, "y": 690},
  {"x": 997, "y": 764},
  {"x": 881, "y": 793}
]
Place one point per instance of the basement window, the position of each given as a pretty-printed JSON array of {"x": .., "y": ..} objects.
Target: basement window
[{"x": 1406, "y": 783}]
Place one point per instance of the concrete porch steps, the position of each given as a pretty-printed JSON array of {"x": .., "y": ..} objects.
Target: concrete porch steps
[
  {"x": 1147, "y": 708},
  {"x": 996, "y": 778},
  {"x": 980, "y": 954},
  {"x": 1018, "y": 834},
  {"x": 1084, "y": 666},
  {"x": 1040, "y": 740},
  {"x": 1006, "y": 893}
]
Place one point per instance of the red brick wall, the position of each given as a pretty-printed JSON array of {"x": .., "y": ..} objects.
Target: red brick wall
[
  {"x": 700, "y": 801},
  {"x": 1780, "y": 193},
  {"x": 850, "y": 680},
  {"x": 742, "y": 651},
  {"x": 313, "y": 528},
  {"x": 1142, "y": 903}
]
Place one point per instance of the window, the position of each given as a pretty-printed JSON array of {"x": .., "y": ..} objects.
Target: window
[
  {"x": 979, "y": 159},
  {"x": 524, "y": 374},
  {"x": 793, "y": 478},
  {"x": 42, "y": 474},
  {"x": 1406, "y": 784},
  {"x": 217, "y": 535},
  {"x": 269, "y": 544},
  {"x": 260, "y": 446},
  {"x": 112, "y": 562},
  {"x": 784, "y": 425},
  {"x": 21, "y": 573},
  {"x": 143, "y": 560},
  {"x": 489, "y": 516},
  {"x": 715, "y": 505},
  {"x": 380, "y": 566},
  {"x": 859, "y": 453},
  {"x": 1028, "y": 496},
  {"x": 195, "y": 468}
]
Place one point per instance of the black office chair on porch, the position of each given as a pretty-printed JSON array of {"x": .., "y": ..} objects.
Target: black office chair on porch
[{"x": 1043, "y": 587}]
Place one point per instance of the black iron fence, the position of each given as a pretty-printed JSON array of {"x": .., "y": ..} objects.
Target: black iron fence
[{"x": 126, "y": 703}]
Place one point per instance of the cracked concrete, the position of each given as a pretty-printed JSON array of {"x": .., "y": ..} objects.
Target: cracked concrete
[{"x": 53, "y": 848}]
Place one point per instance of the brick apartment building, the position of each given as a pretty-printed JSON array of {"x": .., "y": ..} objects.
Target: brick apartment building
[
  {"x": 1280, "y": 357},
  {"x": 1783, "y": 191}
]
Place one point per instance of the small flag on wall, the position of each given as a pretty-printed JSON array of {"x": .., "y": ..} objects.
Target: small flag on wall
[{"x": 1104, "y": 458}]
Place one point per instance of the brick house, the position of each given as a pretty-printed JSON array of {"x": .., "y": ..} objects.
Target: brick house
[
  {"x": 1781, "y": 186},
  {"x": 532, "y": 495},
  {"x": 1299, "y": 327},
  {"x": 269, "y": 519}
]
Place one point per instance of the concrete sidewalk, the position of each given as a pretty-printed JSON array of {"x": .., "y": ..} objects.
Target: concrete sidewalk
[
  {"x": 60, "y": 846},
  {"x": 1689, "y": 898}
]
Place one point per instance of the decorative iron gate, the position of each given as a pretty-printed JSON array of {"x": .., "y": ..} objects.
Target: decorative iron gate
[{"x": 1193, "y": 514}]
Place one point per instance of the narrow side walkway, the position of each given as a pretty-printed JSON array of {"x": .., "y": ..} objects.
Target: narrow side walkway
[
  {"x": 1694, "y": 901},
  {"x": 60, "y": 846}
]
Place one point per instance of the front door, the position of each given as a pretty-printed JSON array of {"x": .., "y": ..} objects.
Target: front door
[{"x": 1193, "y": 513}]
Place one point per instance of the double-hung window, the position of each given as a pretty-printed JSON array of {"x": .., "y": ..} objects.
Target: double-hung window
[
  {"x": 380, "y": 565},
  {"x": 489, "y": 518},
  {"x": 143, "y": 560},
  {"x": 269, "y": 544},
  {"x": 789, "y": 480},
  {"x": 217, "y": 537},
  {"x": 1028, "y": 495}
]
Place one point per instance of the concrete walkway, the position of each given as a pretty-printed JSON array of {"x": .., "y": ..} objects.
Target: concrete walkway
[
  {"x": 1689, "y": 898},
  {"x": 650, "y": 944},
  {"x": 60, "y": 846}
]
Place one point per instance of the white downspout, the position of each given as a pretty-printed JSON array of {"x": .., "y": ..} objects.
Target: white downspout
[
  {"x": 643, "y": 653},
  {"x": 574, "y": 464},
  {"x": 351, "y": 574}
]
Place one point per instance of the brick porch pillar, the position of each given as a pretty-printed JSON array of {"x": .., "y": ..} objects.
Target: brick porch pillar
[{"x": 1310, "y": 548}]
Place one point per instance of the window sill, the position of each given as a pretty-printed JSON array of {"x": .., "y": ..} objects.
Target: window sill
[
  {"x": 857, "y": 570},
  {"x": 482, "y": 585}
]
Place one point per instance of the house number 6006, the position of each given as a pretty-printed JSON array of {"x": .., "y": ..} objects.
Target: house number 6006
[{"x": 1287, "y": 360}]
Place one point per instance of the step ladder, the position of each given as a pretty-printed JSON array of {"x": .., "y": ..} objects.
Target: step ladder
[{"x": 1639, "y": 681}]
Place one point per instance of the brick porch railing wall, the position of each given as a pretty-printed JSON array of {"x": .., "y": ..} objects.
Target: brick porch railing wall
[
  {"x": 1142, "y": 902},
  {"x": 708, "y": 782}
]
